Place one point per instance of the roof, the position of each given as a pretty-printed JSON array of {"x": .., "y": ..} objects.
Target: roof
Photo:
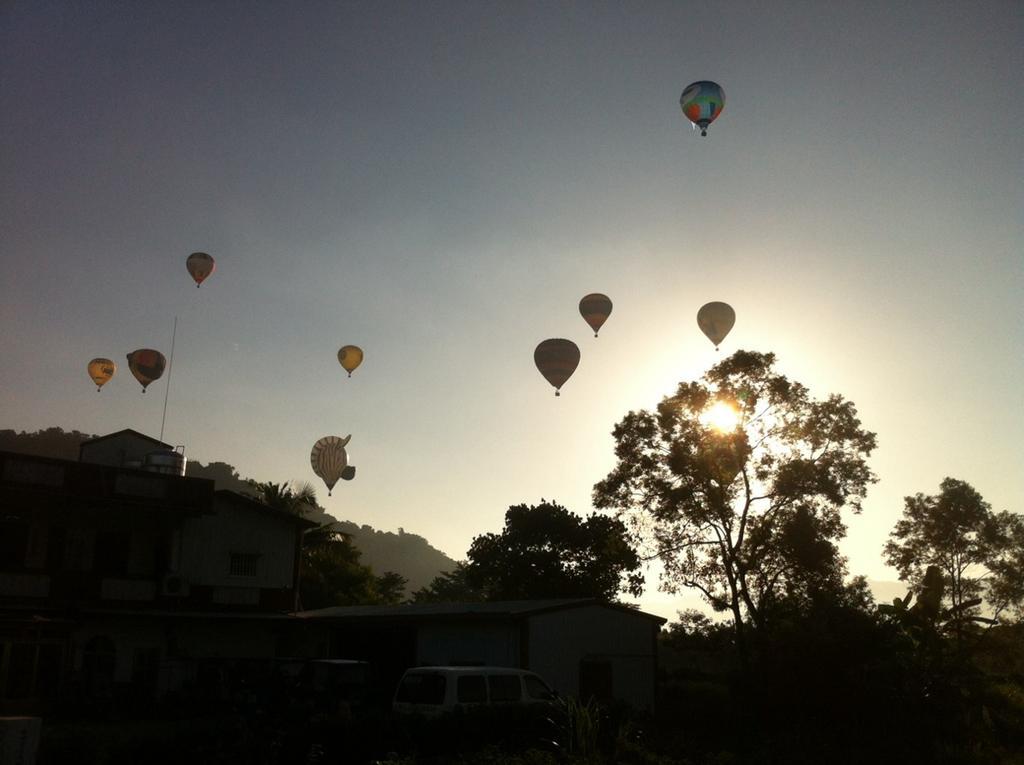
[
  {"x": 254, "y": 504},
  {"x": 126, "y": 432},
  {"x": 501, "y": 609}
]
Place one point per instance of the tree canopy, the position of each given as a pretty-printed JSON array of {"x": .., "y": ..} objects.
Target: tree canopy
[
  {"x": 449, "y": 587},
  {"x": 979, "y": 553},
  {"x": 749, "y": 512},
  {"x": 330, "y": 571},
  {"x": 545, "y": 551}
]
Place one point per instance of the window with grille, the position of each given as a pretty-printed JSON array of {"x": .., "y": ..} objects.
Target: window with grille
[{"x": 243, "y": 564}]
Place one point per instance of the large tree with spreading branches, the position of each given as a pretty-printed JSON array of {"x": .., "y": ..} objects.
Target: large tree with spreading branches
[{"x": 737, "y": 482}]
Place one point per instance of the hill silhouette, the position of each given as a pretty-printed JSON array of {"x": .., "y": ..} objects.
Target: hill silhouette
[{"x": 410, "y": 555}]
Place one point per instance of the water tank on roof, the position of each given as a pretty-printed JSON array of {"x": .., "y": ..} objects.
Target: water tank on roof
[{"x": 166, "y": 461}]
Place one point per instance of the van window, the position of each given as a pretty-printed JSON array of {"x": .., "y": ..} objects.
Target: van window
[
  {"x": 470, "y": 689},
  {"x": 421, "y": 689},
  {"x": 537, "y": 688},
  {"x": 504, "y": 688}
]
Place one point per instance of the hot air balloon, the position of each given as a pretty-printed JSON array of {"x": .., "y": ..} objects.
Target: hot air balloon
[
  {"x": 147, "y": 365},
  {"x": 702, "y": 102},
  {"x": 330, "y": 460},
  {"x": 557, "y": 359},
  {"x": 101, "y": 370},
  {"x": 715, "y": 320},
  {"x": 350, "y": 357},
  {"x": 200, "y": 265},
  {"x": 595, "y": 309}
]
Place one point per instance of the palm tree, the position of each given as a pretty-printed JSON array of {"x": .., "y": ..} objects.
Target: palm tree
[
  {"x": 299, "y": 500},
  {"x": 330, "y": 573}
]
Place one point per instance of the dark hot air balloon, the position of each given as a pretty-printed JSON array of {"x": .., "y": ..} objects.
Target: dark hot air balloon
[
  {"x": 715, "y": 320},
  {"x": 595, "y": 309},
  {"x": 350, "y": 357},
  {"x": 146, "y": 365},
  {"x": 557, "y": 359},
  {"x": 200, "y": 265}
]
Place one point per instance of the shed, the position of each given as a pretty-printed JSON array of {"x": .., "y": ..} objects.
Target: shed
[{"x": 582, "y": 647}]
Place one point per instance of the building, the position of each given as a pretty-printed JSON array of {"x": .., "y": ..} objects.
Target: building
[
  {"x": 112, "y": 577},
  {"x": 583, "y": 647},
  {"x": 122, "y": 580}
]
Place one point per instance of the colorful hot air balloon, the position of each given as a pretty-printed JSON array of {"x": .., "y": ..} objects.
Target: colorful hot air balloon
[
  {"x": 595, "y": 309},
  {"x": 715, "y": 320},
  {"x": 557, "y": 359},
  {"x": 702, "y": 102},
  {"x": 200, "y": 265},
  {"x": 330, "y": 460},
  {"x": 101, "y": 370},
  {"x": 147, "y": 365},
  {"x": 350, "y": 357}
]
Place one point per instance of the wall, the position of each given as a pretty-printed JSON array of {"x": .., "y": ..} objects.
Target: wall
[
  {"x": 208, "y": 541},
  {"x": 560, "y": 640},
  {"x": 116, "y": 451},
  {"x": 460, "y": 642}
]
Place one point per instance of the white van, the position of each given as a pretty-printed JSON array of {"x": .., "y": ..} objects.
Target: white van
[{"x": 436, "y": 690}]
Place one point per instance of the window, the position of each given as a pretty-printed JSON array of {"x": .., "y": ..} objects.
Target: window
[
  {"x": 56, "y": 544},
  {"x": 243, "y": 564},
  {"x": 471, "y": 689},
  {"x": 421, "y": 689},
  {"x": 13, "y": 545},
  {"x": 504, "y": 688},
  {"x": 20, "y": 671},
  {"x": 537, "y": 688},
  {"x": 111, "y": 553}
]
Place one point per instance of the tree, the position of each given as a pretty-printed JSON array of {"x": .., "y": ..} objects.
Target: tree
[
  {"x": 545, "y": 551},
  {"x": 747, "y": 513},
  {"x": 390, "y": 587},
  {"x": 449, "y": 587},
  {"x": 330, "y": 573},
  {"x": 980, "y": 553}
]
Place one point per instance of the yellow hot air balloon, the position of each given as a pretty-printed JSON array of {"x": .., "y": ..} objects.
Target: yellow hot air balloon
[
  {"x": 146, "y": 365},
  {"x": 595, "y": 309},
  {"x": 715, "y": 320},
  {"x": 557, "y": 359},
  {"x": 330, "y": 460},
  {"x": 101, "y": 370},
  {"x": 200, "y": 265},
  {"x": 350, "y": 357}
]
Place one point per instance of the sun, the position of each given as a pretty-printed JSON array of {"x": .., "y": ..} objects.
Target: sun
[{"x": 722, "y": 416}]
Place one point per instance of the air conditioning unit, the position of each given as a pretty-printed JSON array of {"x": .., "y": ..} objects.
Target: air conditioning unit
[{"x": 174, "y": 586}]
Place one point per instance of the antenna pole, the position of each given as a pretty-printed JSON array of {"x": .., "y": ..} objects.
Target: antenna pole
[{"x": 170, "y": 371}]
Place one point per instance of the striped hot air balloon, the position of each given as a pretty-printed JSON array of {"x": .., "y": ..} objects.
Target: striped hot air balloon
[
  {"x": 557, "y": 359},
  {"x": 330, "y": 460},
  {"x": 595, "y": 309}
]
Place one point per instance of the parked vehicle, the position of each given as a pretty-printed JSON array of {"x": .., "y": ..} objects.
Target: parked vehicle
[{"x": 431, "y": 691}]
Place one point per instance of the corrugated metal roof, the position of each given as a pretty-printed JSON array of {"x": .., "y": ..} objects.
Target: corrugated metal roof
[{"x": 493, "y": 610}]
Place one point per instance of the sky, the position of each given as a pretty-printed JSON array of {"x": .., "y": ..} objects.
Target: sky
[{"x": 440, "y": 183}]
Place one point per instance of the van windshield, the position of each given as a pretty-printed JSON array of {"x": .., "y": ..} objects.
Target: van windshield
[{"x": 421, "y": 688}]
